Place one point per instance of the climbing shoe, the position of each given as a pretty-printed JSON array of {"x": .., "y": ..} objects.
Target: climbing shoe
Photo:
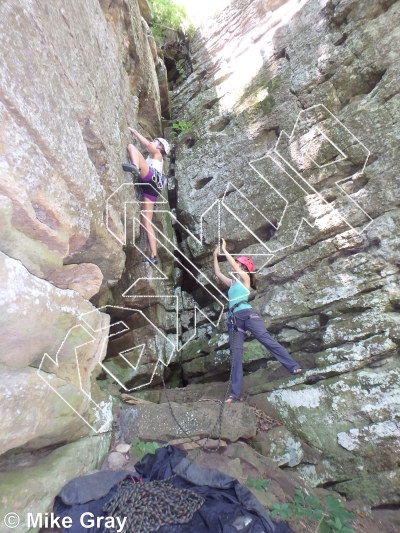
[
  {"x": 129, "y": 167},
  {"x": 151, "y": 260}
]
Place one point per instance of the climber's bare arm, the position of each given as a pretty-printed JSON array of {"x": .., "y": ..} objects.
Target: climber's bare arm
[
  {"x": 227, "y": 281},
  {"x": 243, "y": 275},
  {"x": 147, "y": 144}
]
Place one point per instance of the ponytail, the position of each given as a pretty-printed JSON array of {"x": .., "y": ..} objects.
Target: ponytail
[{"x": 253, "y": 281}]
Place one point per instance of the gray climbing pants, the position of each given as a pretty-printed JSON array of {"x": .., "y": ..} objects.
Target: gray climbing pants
[{"x": 248, "y": 320}]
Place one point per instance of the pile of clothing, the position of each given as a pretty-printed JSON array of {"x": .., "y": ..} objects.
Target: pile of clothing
[{"x": 167, "y": 494}]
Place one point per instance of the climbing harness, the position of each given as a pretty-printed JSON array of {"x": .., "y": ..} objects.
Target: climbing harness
[
  {"x": 155, "y": 185},
  {"x": 151, "y": 505},
  {"x": 159, "y": 179},
  {"x": 231, "y": 315}
]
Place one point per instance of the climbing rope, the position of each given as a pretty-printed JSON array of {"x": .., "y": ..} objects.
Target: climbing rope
[
  {"x": 221, "y": 409},
  {"x": 151, "y": 505}
]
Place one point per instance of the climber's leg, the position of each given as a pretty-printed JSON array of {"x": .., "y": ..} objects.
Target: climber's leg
[
  {"x": 147, "y": 217},
  {"x": 138, "y": 160},
  {"x": 255, "y": 325},
  {"x": 236, "y": 340}
]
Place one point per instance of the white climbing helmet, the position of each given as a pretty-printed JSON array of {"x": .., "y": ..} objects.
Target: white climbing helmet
[{"x": 165, "y": 143}]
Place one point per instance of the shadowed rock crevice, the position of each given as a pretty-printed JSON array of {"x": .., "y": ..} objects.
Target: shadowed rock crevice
[
  {"x": 341, "y": 40},
  {"x": 202, "y": 182},
  {"x": 368, "y": 82},
  {"x": 211, "y": 103},
  {"x": 220, "y": 125},
  {"x": 352, "y": 11}
]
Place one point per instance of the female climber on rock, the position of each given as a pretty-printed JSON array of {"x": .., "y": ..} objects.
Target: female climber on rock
[
  {"x": 150, "y": 174},
  {"x": 242, "y": 318}
]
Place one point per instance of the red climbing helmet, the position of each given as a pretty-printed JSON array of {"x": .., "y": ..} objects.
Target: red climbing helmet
[{"x": 247, "y": 262}]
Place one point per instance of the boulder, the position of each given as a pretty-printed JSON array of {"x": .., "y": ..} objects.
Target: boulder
[
  {"x": 85, "y": 278},
  {"x": 32, "y": 483},
  {"x": 42, "y": 379},
  {"x": 116, "y": 461},
  {"x": 347, "y": 418},
  {"x": 151, "y": 422},
  {"x": 284, "y": 448}
]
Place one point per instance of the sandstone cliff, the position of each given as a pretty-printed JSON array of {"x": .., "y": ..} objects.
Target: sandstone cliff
[
  {"x": 295, "y": 128},
  {"x": 291, "y": 156},
  {"x": 74, "y": 75}
]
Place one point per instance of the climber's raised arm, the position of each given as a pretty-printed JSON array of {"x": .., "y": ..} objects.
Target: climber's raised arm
[
  {"x": 227, "y": 281},
  {"x": 149, "y": 145},
  {"x": 245, "y": 278}
]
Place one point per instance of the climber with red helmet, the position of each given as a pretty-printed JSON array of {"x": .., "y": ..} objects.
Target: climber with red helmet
[
  {"x": 242, "y": 318},
  {"x": 150, "y": 174}
]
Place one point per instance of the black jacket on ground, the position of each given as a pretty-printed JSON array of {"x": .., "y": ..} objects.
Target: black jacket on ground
[{"x": 229, "y": 507}]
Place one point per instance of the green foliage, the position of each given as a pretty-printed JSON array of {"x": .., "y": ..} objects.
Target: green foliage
[
  {"x": 140, "y": 448},
  {"x": 259, "y": 484},
  {"x": 331, "y": 518},
  {"x": 284, "y": 511},
  {"x": 182, "y": 126},
  {"x": 169, "y": 15},
  {"x": 338, "y": 517},
  {"x": 180, "y": 68}
]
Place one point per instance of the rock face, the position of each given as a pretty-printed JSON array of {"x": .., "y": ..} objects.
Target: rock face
[
  {"x": 73, "y": 77},
  {"x": 158, "y": 422},
  {"x": 306, "y": 96},
  {"x": 292, "y": 156},
  {"x": 35, "y": 485}
]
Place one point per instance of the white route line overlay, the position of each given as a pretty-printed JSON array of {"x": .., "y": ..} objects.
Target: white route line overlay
[
  {"x": 159, "y": 359},
  {"x": 161, "y": 200},
  {"x": 100, "y": 412},
  {"x": 344, "y": 156},
  {"x": 207, "y": 280}
]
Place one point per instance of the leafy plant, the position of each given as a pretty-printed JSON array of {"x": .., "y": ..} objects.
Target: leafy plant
[
  {"x": 182, "y": 126},
  {"x": 258, "y": 484},
  {"x": 330, "y": 518},
  {"x": 284, "y": 510},
  {"x": 169, "y": 15},
  {"x": 140, "y": 447},
  {"x": 180, "y": 68}
]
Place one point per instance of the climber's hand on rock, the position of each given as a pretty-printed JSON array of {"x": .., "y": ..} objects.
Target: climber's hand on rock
[
  {"x": 132, "y": 130},
  {"x": 223, "y": 246}
]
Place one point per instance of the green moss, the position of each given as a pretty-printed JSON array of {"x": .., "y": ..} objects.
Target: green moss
[
  {"x": 195, "y": 349},
  {"x": 259, "y": 94},
  {"x": 267, "y": 103},
  {"x": 106, "y": 298},
  {"x": 253, "y": 351},
  {"x": 174, "y": 380}
]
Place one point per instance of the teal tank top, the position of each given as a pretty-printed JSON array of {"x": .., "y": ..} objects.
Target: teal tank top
[{"x": 237, "y": 293}]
